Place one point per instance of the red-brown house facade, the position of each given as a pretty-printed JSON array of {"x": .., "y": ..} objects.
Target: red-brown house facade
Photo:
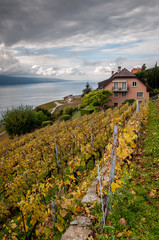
[{"x": 124, "y": 85}]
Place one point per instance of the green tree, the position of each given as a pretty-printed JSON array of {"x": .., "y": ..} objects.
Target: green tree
[
  {"x": 19, "y": 120},
  {"x": 143, "y": 67},
  {"x": 40, "y": 117},
  {"x": 97, "y": 98},
  {"x": 87, "y": 89},
  {"x": 150, "y": 75}
]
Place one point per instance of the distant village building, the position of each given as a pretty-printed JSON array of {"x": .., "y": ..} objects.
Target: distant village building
[
  {"x": 68, "y": 98},
  {"x": 124, "y": 85}
]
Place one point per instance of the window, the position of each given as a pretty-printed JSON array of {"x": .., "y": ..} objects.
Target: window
[
  {"x": 140, "y": 94},
  {"x": 116, "y": 85},
  {"x": 124, "y": 94},
  {"x": 116, "y": 95},
  {"x": 115, "y": 104},
  {"x": 123, "y": 85},
  {"x": 134, "y": 84}
]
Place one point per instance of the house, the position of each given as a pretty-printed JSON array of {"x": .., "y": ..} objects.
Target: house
[
  {"x": 68, "y": 98},
  {"x": 124, "y": 85}
]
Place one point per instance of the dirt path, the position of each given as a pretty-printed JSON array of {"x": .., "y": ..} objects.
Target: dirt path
[
  {"x": 2, "y": 133},
  {"x": 57, "y": 104}
]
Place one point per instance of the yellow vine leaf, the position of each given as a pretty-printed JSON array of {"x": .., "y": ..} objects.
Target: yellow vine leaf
[
  {"x": 72, "y": 177},
  {"x": 114, "y": 186},
  {"x": 59, "y": 226},
  {"x": 67, "y": 182},
  {"x": 37, "y": 232},
  {"x": 63, "y": 212}
]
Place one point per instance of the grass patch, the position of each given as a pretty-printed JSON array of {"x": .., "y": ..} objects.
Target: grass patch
[
  {"x": 3, "y": 139},
  {"x": 1, "y": 129},
  {"x": 48, "y": 105},
  {"x": 76, "y": 115},
  {"x": 73, "y": 104},
  {"x": 135, "y": 211}
]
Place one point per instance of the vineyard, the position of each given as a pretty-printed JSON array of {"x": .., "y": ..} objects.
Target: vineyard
[{"x": 44, "y": 174}]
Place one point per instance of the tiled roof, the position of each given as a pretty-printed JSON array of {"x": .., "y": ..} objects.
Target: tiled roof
[{"x": 124, "y": 73}]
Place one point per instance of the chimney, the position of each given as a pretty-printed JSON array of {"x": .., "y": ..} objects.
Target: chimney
[
  {"x": 119, "y": 69},
  {"x": 112, "y": 73}
]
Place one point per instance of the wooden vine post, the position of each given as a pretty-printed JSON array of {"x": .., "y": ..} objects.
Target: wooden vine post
[{"x": 112, "y": 170}]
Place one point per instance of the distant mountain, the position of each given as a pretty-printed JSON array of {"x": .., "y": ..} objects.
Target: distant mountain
[{"x": 9, "y": 80}]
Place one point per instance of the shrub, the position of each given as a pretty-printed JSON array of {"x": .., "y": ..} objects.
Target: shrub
[
  {"x": 40, "y": 117},
  {"x": 154, "y": 92},
  {"x": 19, "y": 120},
  {"x": 61, "y": 112},
  {"x": 88, "y": 110},
  {"x": 130, "y": 101},
  {"x": 81, "y": 106},
  {"x": 75, "y": 109},
  {"x": 69, "y": 111},
  {"x": 45, "y": 111},
  {"x": 45, "y": 123},
  {"x": 65, "y": 117}
]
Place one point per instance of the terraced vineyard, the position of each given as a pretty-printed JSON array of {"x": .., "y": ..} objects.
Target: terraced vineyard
[{"x": 44, "y": 174}]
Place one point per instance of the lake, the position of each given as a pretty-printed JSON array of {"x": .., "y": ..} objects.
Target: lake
[{"x": 39, "y": 93}]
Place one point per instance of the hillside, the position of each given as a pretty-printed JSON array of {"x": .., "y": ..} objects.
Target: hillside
[
  {"x": 45, "y": 174},
  {"x": 10, "y": 80},
  {"x": 135, "y": 209}
]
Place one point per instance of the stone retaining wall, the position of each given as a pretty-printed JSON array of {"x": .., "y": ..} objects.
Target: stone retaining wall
[{"x": 80, "y": 228}]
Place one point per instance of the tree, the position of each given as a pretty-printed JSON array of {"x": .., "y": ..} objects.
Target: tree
[
  {"x": 87, "y": 89},
  {"x": 40, "y": 117},
  {"x": 97, "y": 98},
  {"x": 150, "y": 75},
  {"x": 19, "y": 120},
  {"x": 143, "y": 67}
]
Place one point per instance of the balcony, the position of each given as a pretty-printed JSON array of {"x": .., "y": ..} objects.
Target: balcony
[{"x": 120, "y": 89}]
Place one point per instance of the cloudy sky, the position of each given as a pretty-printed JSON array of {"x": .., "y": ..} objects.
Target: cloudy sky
[{"x": 77, "y": 39}]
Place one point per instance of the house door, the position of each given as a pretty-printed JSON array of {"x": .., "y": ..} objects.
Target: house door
[{"x": 115, "y": 104}]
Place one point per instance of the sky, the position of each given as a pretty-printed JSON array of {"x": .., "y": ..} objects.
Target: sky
[{"x": 77, "y": 39}]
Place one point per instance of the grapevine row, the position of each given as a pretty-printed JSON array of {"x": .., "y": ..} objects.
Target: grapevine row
[{"x": 31, "y": 178}]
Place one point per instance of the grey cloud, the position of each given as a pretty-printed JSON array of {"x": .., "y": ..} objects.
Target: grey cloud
[
  {"x": 9, "y": 64},
  {"x": 39, "y": 26},
  {"x": 55, "y": 20},
  {"x": 120, "y": 61},
  {"x": 93, "y": 63}
]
